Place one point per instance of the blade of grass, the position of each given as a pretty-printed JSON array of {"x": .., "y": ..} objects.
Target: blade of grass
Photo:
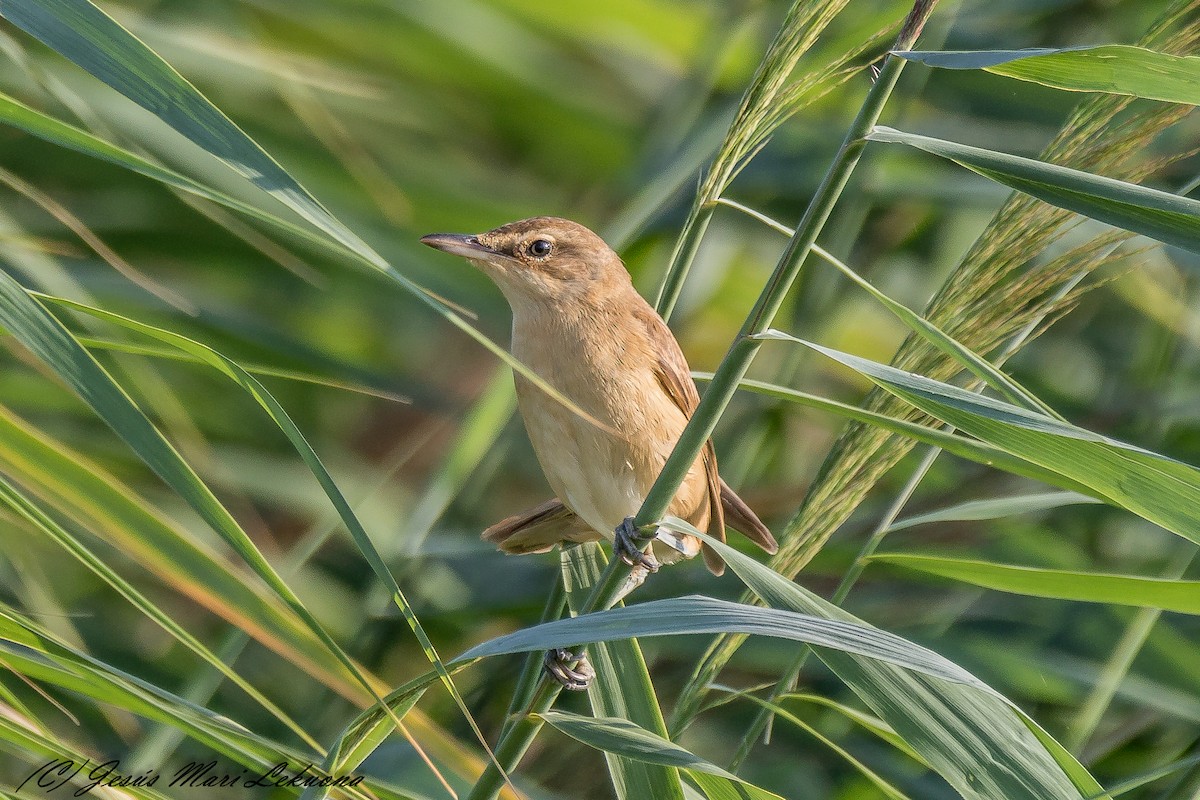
[
  {"x": 1114, "y": 68},
  {"x": 1170, "y": 218},
  {"x": 91, "y": 39},
  {"x": 30, "y": 649},
  {"x": 1157, "y": 488},
  {"x": 263, "y": 370},
  {"x": 619, "y": 736},
  {"x": 1162, "y": 593},
  {"x": 885, "y": 788},
  {"x": 285, "y": 424},
  {"x": 699, "y": 614},
  {"x": 974, "y": 510},
  {"x": 52, "y": 343},
  {"x": 53, "y": 755},
  {"x": 970, "y": 737},
  {"x": 12, "y": 497},
  {"x": 1117, "y": 668},
  {"x": 98, "y": 502},
  {"x": 970, "y": 449}
]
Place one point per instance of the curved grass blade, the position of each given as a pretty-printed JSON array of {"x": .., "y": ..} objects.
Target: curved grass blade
[
  {"x": 1112, "y": 68},
  {"x": 44, "y": 336},
  {"x": 975, "y": 739},
  {"x": 371, "y": 727},
  {"x": 97, "y": 501},
  {"x": 868, "y": 722},
  {"x": 85, "y": 35},
  {"x": 14, "y": 499},
  {"x": 628, "y": 740},
  {"x": 1159, "y": 489},
  {"x": 1167, "y": 217},
  {"x": 361, "y": 738},
  {"x": 60, "y": 133},
  {"x": 264, "y": 370},
  {"x": 961, "y": 446},
  {"x": 698, "y": 614},
  {"x": 285, "y": 424},
  {"x": 1091, "y": 587},
  {"x": 995, "y": 509}
]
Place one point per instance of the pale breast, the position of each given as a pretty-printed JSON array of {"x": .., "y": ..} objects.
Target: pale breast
[{"x": 602, "y": 475}]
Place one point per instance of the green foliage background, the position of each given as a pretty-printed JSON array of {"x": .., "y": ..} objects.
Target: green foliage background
[{"x": 406, "y": 118}]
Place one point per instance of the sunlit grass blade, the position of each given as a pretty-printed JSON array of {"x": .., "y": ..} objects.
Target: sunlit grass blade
[
  {"x": 974, "y": 510},
  {"x": 972, "y": 737},
  {"x": 88, "y": 494},
  {"x": 622, "y": 687},
  {"x": 261, "y": 370},
  {"x": 1114, "y": 68},
  {"x": 868, "y": 722},
  {"x": 12, "y": 497},
  {"x": 1170, "y": 218},
  {"x": 285, "y": 424},
  {"x": 361, "y": 738},
  {"x": 44, "y": 336},
  {"x": 1157, "y": 488},
  {"x": 1130, "y": 590},
  {"x": 617, "y": 736}
]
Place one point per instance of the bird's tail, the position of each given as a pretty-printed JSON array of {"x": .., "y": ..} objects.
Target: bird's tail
[{"x": 539, "y": 529}]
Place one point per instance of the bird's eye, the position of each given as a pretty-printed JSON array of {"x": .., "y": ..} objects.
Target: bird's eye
[{"x": 540, "y": 248}]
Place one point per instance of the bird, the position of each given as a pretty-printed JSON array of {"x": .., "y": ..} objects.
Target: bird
[{"x": 579, "y": 324}]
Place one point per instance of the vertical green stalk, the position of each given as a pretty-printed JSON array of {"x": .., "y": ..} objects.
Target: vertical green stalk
[
  {"x": 685, "y": 252},
  {"x": 737, "y": 361},
  {"x": 521, "y": 728}
]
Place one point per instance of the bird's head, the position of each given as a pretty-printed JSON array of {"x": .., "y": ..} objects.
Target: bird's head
[{"x": 542, "y": 259}]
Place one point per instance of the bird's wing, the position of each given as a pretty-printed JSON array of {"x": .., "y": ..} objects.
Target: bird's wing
[
  {"x": 539, "y": 529},
  {"x": 676, "y": 379}
]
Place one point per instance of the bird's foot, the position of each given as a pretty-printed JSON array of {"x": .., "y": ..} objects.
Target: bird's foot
[
  {"x": 628, "y": 544},
  {"x": 570, "y": 670}
]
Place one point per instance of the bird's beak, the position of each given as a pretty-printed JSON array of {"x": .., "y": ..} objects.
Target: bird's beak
[{"x": 461, "y": 244}]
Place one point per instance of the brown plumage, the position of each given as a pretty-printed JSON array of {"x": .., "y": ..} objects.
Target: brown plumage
[{"x": 579, "y": 324}]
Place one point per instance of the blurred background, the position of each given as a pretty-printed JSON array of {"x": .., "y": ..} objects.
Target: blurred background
[{"x": 414, "y": 116}]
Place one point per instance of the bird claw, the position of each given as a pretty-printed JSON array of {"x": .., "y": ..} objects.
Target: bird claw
[
  {"x": 627, "y": 546},
  {"x": 572, "y": 671}
]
